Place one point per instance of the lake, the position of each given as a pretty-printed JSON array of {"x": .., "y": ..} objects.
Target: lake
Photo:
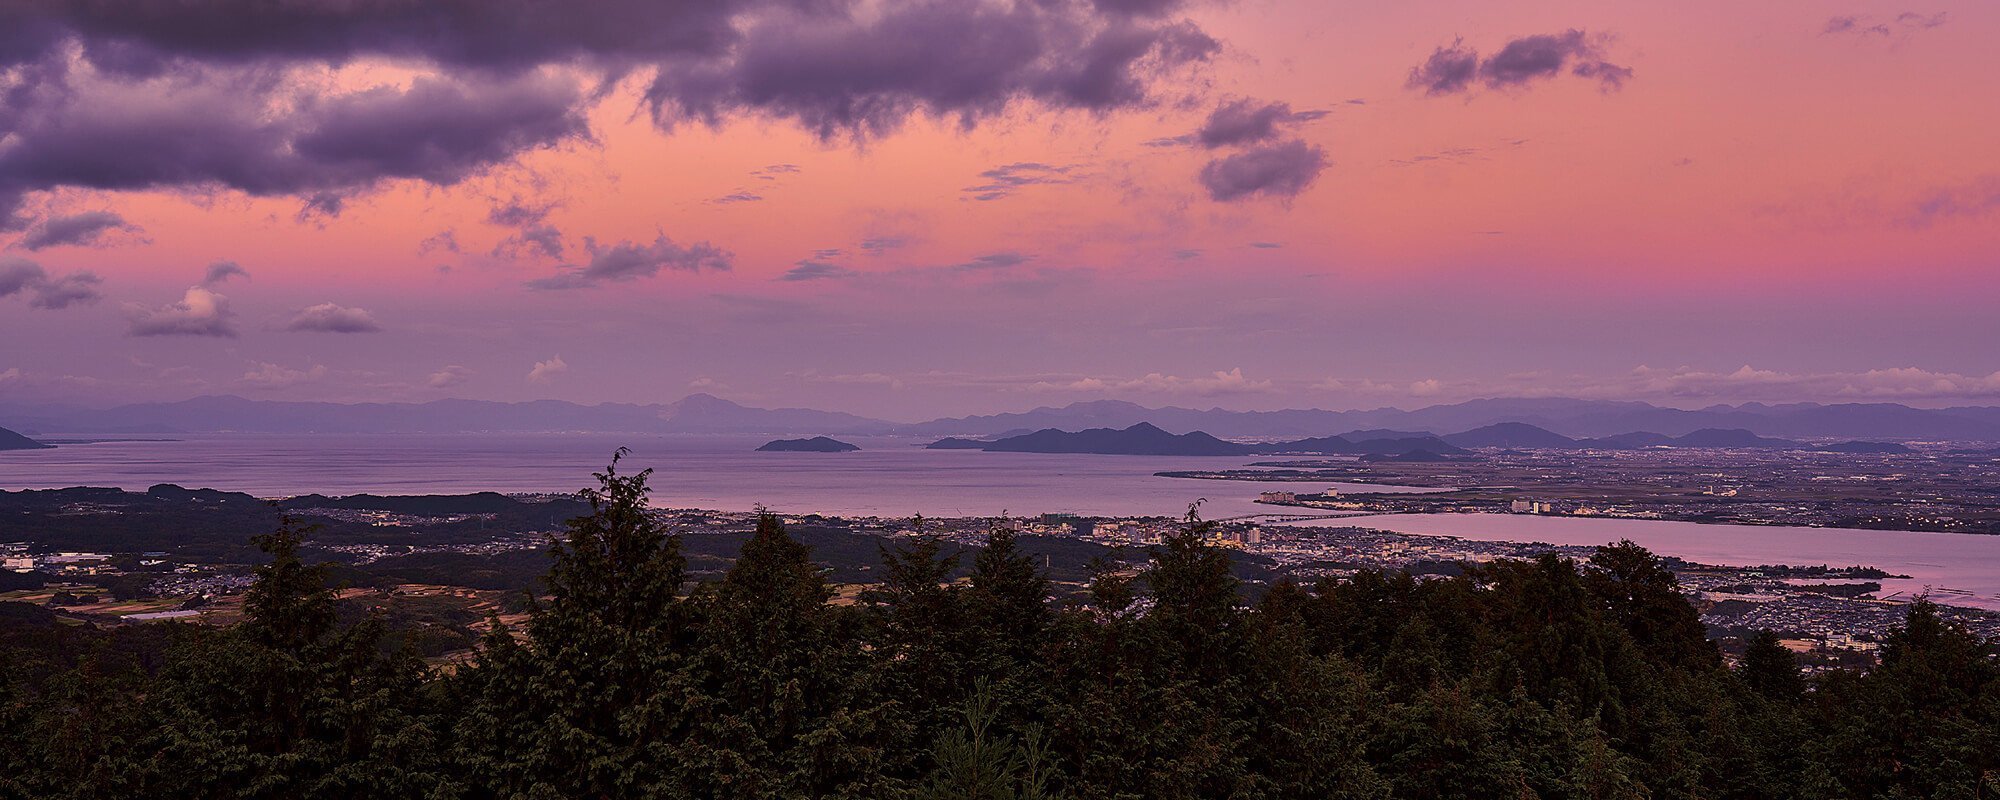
[
  {"x": 894, "y": 477},
  {"x": 889, "y": 477},
  {"x": 1946, "y": 563}
]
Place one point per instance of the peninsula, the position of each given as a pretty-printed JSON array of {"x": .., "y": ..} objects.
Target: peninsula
[{"x": 10, "y": 440}]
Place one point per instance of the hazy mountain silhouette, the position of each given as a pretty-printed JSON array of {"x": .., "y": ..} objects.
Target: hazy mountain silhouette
[
  {"x": 1142, "y": 439},
  {"x": 1147, "y": 439},
  {"x": 1736, "y": 438},
  {"x": 1511, "y": 434},
  {"x": 1608, "y": 423}
]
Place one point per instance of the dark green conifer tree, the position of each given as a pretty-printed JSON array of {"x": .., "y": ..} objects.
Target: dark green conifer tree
[
  {"x": 1925, "y": 722},
  {"x": 1010, "y": 628},
  {"x": 1770, "y": 670},
  {"x": 285, "y": 705},
  {"x": 781, "y": 701},
  {"x": 590, "y": 705},
  {"x": 1644, "y": 598},
  {"x": 922, "y": 642}
]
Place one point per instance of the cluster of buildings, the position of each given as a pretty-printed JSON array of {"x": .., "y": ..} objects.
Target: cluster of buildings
[
  {"x": 360, "y": 554},
  {"x": 368, "y": 516}
]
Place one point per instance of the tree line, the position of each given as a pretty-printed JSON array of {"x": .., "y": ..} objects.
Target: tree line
[{"x": 1542, "y": 678}]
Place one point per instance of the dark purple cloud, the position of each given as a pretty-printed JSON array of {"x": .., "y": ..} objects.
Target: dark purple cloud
[
  {"x": 1974, "y": 198},
  {"x": 438, "y": 131},
  {"x": 1448, "y": 70},
  {"x": 223, "y": 270},
  {"x": 996, "y": 261},
  {"x": 863, "y": 76},
  {"x": 214, "y": 130},
  {"x": 1863, "y": 26},
  {"x": 331, "y": 318},
  {"x": 19, "y": 275},
  {"x": 1454, "y": 68},
  {"x": 178, "y": 95},
  {"x": 443, "y": 240},
  {"x": 75, "y": 229},
  {"x": 877, "y": 245},
  {"x": 148, "y": 37},
  {"x": 1852, "y": 25},
  {"x": 545, "y": 239},
  {"x": 1249, "y": 121},
  {"x": 1004, "y": 180},
  {"x": 535, "y": 241},
  {"x": 1544, "y": 55},
  {"x": 74, "y": 288},
  {"x": 1152, "y": 9},
  {"x": 533, "y": 237},
  {"x": 518, "y": 213},
  {"x": 1281, "y": 170},
  {"x": 1912, "y": 19},
  {"x": 810, "y": 270},
  {"x": 626, "y": 261}
]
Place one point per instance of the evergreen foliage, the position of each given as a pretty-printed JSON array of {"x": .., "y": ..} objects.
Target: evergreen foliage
[{"x": 1543, "y": 678}]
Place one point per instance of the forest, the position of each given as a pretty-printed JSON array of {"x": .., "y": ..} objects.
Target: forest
[{"x": 1542, "y": 678}]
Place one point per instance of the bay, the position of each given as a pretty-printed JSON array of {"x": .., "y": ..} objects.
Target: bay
[{"x": 896, "y": 477}]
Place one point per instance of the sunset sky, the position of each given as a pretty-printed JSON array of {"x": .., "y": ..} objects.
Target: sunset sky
[{"x": 916, "y": 208}]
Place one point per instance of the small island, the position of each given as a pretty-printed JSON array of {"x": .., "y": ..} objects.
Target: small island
[
  {"x": 817, "y": 444},
  {"x": 10, "y": 440}
]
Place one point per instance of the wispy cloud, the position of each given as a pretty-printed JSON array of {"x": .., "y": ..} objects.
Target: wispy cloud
[
  {"x": 1454, "y": 68},
  {"x": 19, "y": 275},
  {"x": 82, "y": 229},
  {"x": 626, "y": 261},
  {"x": 330, "y": 318},
  {"x": 1005, "y": 181},
  {"x": 221, "y": 271}
]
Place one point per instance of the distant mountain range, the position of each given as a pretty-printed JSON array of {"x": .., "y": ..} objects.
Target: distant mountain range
[
  {"x": 1523, "y": 435},
  {"x": 1145, "y": 439},
  {"x": 1579, "y": 419},
  {"x": 1576, "y": 420}
]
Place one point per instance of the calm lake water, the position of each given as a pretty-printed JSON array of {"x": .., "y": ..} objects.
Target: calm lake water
[
  {"x": 1945, "y": 563},
  {"x": 896, "y": 478},
  {"x": 889, "y": 477}
]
